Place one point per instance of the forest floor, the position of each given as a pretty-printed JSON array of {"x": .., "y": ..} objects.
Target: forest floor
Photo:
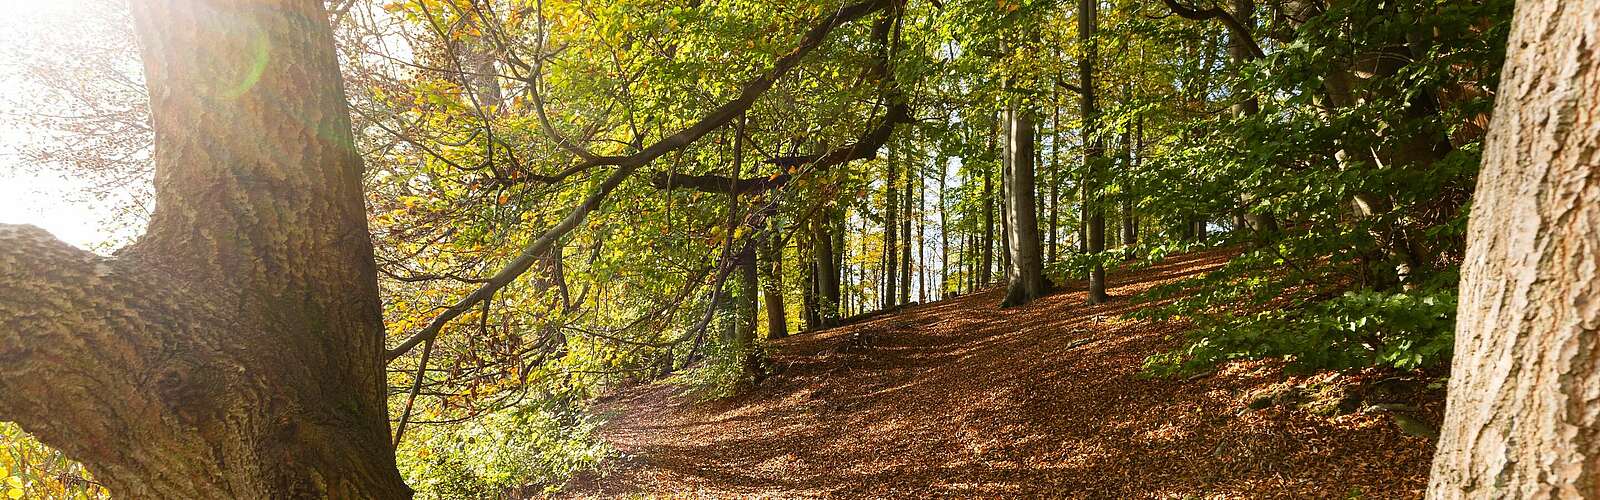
[{"x": 959, "y": 398}]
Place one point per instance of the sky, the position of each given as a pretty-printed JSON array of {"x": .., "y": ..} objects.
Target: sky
[{"x": 46, "y": 199}]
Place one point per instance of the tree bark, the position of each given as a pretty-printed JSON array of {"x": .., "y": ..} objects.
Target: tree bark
[
  {"x": 988, "y": 221},
  {"x": 922, "y": 230},
  {"x": 891, "y": 252},
  {"x": 1027, "y": 270},
  {"x": 1054, "y": 177},
  {"x": 235, "y": 350},
  {"x": 1005, "y": 173},
  {"x": 944, "y": 233},
  {"x": 905, "y": 231},
  {"x": 1093, "y": 152},
  {"x": 828, "y": 271},
  {"x": 1242, "y": 49},
  {"x": 1521, "y": 420},
  {"x": 772, "y": 288}
]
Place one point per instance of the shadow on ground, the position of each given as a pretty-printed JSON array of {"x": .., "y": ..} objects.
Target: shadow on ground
[{"x": 960, "y": 398}]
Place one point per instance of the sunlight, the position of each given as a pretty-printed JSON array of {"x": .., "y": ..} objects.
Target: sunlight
[{"x": 45, "y": 195}]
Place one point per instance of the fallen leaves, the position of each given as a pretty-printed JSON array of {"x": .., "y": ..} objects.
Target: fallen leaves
[{"x": 957, "y": 398}]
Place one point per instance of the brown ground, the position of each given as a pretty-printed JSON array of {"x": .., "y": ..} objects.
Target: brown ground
[{"x": 961, "y": 399}]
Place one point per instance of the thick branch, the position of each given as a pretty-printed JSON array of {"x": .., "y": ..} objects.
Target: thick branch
[
  {"x": 1237, "y": 30},
  {"x": 865, "y": 147},
  {"x": 629, "y": 163},
  {"x": 108, "y": 363}
]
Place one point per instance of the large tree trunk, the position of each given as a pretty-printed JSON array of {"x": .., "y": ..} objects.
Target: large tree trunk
[
  {"x": 235, "y": 350},
  {"x": 1027, "y": 270},
  {"x": 1093, "y": 152},
  {"x": 1522, "y": 421}
]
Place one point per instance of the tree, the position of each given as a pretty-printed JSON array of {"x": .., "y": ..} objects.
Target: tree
[
  {"x": 1027, "y": 268},
  {"x": 235, "y": 350},
  {"x": 1093, "y": 152},
  {"x": 772, "y": 282},
  {"x": 1521, "y": 416},
  {"x": 891, "y": 248}
]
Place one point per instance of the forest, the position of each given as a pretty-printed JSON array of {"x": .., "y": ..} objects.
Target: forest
[{"x": 518, "y": 249}]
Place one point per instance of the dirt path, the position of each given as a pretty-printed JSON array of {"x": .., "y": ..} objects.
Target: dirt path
[{"x": 961, "y": 399}]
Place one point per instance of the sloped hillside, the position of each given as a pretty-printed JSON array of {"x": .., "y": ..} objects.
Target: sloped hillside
[{"x": 959, "y": 398}]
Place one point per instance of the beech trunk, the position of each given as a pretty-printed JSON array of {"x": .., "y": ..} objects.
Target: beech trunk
[
  {"x": 1522, "y": 419},
  {"x": 235, "y": 350}
]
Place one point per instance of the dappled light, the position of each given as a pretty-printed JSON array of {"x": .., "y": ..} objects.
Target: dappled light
[{"x": 511, "y": 249}]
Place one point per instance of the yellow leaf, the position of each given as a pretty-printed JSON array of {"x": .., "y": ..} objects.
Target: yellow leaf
[
  {"x": 393, "y": 6},
  {"x": 14, "y": 494}
]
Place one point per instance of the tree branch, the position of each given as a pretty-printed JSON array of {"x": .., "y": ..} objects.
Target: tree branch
[
  {"x": 99, "y": 358},
  {"x": 629, "y": 163},
  {"x": 1239, "y": 31}
]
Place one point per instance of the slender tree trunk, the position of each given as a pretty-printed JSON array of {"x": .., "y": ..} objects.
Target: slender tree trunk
[
  {"x": 1092, "y": 151},
  {"x": 905, "y": 230},
  {"x": 236, "y": 350},
  {"x": 777, "y": 322},
  {"x": 944, "y": 233},
  {"x": 809, "y": 311},
  {"x": 1055, "y": 170},
  {"x": 1521, "y": 420},
  {"x": 987, "y": 258},
  {"x": 839, "y": 229},
  {"x": 891, "y": 249},
  {"x": 922, "y": 230},
  {"x": 1129, "y": 235},
  {"x": 1005, "y": 222},
  {"x": 829, "y": 270}
]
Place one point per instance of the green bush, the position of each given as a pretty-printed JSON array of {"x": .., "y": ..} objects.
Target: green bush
[
  {"x": 1403, "y": 330},
  {"x": 536, "y": 445}
]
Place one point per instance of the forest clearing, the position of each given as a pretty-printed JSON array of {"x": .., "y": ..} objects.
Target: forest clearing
[{"x": 509, "y": 249}]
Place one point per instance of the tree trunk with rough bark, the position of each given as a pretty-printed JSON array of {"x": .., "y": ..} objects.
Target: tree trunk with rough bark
[
  {"x": 236, "y": 350},
  {"x": 1522, "y": 419}
]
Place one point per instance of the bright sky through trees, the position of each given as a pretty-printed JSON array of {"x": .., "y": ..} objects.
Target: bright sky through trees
[{"x": 29, "y": 194}]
